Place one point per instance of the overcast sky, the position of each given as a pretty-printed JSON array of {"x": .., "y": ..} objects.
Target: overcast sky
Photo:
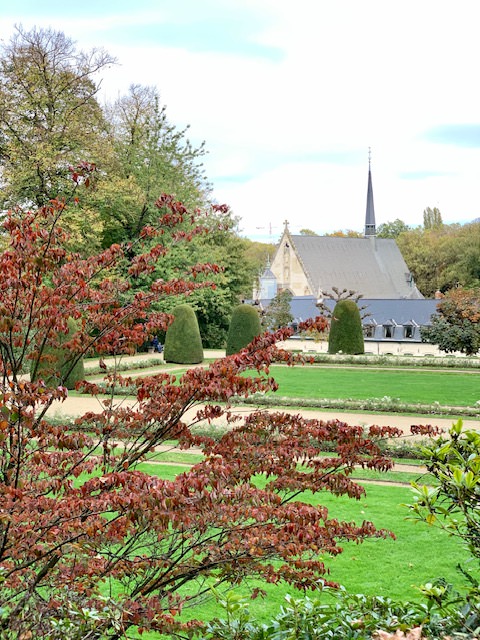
[{"x": 290, "y": 94}]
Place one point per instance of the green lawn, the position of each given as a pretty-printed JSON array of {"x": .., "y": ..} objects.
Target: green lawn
[
  {"x": 383, "y": 567},
  {"x": 453, "y": 388},
  {"x": 379, "y": 567}
]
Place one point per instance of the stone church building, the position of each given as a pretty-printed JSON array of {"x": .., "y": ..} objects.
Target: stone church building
[{"x": 309, "y": 265}]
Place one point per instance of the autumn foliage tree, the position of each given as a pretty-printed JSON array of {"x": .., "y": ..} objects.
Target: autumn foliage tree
[
  {"x": 79, "y": 520},
  {"x": 456, "y": 327}
]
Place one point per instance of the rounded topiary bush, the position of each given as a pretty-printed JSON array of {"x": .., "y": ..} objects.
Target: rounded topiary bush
[
  {"x": 244, "y": 327},
  {"x": 183, "y": 343},
  {"x": 55, "y": 368},
  {"x": 346, "y": 333}
]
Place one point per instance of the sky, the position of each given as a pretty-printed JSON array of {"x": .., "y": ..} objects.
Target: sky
[{"x": 289, "y": 96}]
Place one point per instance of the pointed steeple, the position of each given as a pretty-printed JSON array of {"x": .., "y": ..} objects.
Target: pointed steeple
[{"x": 370, "y": 229}]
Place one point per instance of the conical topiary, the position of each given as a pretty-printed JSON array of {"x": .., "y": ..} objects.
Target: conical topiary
[
  {"x": 346, "y": 333},
  {"x": 244, "y": 327},
  {"x": 183, "y": 343},
  {"x": 56, "y": 366}
]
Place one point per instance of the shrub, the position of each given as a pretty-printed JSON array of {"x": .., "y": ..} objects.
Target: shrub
[
  {"x": 453, "y": 503},
  {"x": 183, "y": 344},
  {"x": 244, "y": 327},
  {"x": 346, "y": 333},
  {"x": 58, "y": 365},
  {"x": 347, "y": 616}
]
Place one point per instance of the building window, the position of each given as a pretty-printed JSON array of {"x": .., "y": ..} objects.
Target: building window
[
  {"x": 408, "y": 331},
  {"x": 369, "y": 330},
  {"x": 387, "y": 331}
]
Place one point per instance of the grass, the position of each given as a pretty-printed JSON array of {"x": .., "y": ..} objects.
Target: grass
[
  {"x": 414, "y": 386},
  {"x": 378, "y": 567}
]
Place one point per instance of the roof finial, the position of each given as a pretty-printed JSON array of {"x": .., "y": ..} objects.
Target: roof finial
[{"x": 369, "y": 157}]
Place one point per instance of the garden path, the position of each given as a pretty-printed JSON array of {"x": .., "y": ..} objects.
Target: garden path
[{"x": 75, "y": 406}]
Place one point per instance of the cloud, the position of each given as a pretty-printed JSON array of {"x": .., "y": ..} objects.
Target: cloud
[
  {"x": 459, "y": 135},
  {"x": 289, "y": 96},
  {"x": 422, "y": 175}
]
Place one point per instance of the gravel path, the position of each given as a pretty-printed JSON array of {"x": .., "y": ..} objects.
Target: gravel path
[{"x": 75, "y": 406}]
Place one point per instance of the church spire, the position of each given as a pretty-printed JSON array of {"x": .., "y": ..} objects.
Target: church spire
[{"x": 370, "y": 229}]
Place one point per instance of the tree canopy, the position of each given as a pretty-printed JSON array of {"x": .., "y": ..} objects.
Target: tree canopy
[
  {"x": 457, "y": 325},
  {"x": 49, "y": 116},
  {"x": 278, "y": 313},
  {"x": 443, "y": 257},
  {"x": 51, "y": 122}
]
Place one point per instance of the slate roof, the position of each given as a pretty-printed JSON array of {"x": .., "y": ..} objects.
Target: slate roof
[
  {"x": 401, "y": 312},
  {"x": 373, "y": 267}
]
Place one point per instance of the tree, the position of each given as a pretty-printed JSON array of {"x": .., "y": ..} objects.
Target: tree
[
  {"x": 457, "y": 325},
  {"x": 442, "y": 257},
  {"x": 183, "y": 343},
  {"x": 146, "y": 154},
  {"x": 346, "y": 334},
  {"x": 392, "y": 229},
  {"x": 278, "y": 312},
  {"x": 347, "y": 233},
  {"x": 223, "y": 246},
  {"x": 49, "y": 115},
  {"x": 80, "y": 521},
  {"x": 432, "y": 218},
  {"x": 244, "y": 327}
]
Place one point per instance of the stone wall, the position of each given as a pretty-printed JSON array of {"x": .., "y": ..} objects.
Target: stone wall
[{"x": 375, "y": 347}]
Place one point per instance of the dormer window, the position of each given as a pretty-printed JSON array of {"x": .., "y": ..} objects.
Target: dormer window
[
  {"x": 369, "y": 330},
  {"x": 408, "y": 331}
]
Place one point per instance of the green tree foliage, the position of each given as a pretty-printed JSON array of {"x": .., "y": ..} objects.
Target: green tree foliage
[
  {"x": 212, "y": 239},
  {"x": 345, "y": 233},
  {"x": 147, "y": 156},
  {"x": 49, "y": 116},
  {"x": 223, "y": 246},
  {"x": 346, "y": 334},
  {"x": 278, "y": 312},
  {"x": 59, "y": 365},
  {"x": 50, "y": 121},
  {"x": 457, "y": 325},
  {"x": 244, "y": 327},
  {"x": 183, "y": 343},
  {"x": 432, "y": 218},
  {"x": 443, "y": 257},
  {"x": 259, "y": 253},
  {"x": 392, "y": 229}
]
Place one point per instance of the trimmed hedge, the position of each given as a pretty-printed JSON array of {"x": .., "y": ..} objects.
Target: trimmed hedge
[
  {"x": 183, "y": 343},
  {"x": 244, "y": 327},
  {"x": 55, "y": 368},
  {"x": 346, "y": 333}
]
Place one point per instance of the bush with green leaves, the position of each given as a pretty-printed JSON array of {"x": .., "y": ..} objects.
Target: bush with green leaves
[
  {"x": 59, "y": 366},
  {"x": 454, "y": 502},
  {"x": 183, "y": 343},
  {"x": 345, "y": 616},
  {"x": 346, "y": 333},
  {"x": 244, "y": 327},
  {"x": 278, "y": 313}
]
